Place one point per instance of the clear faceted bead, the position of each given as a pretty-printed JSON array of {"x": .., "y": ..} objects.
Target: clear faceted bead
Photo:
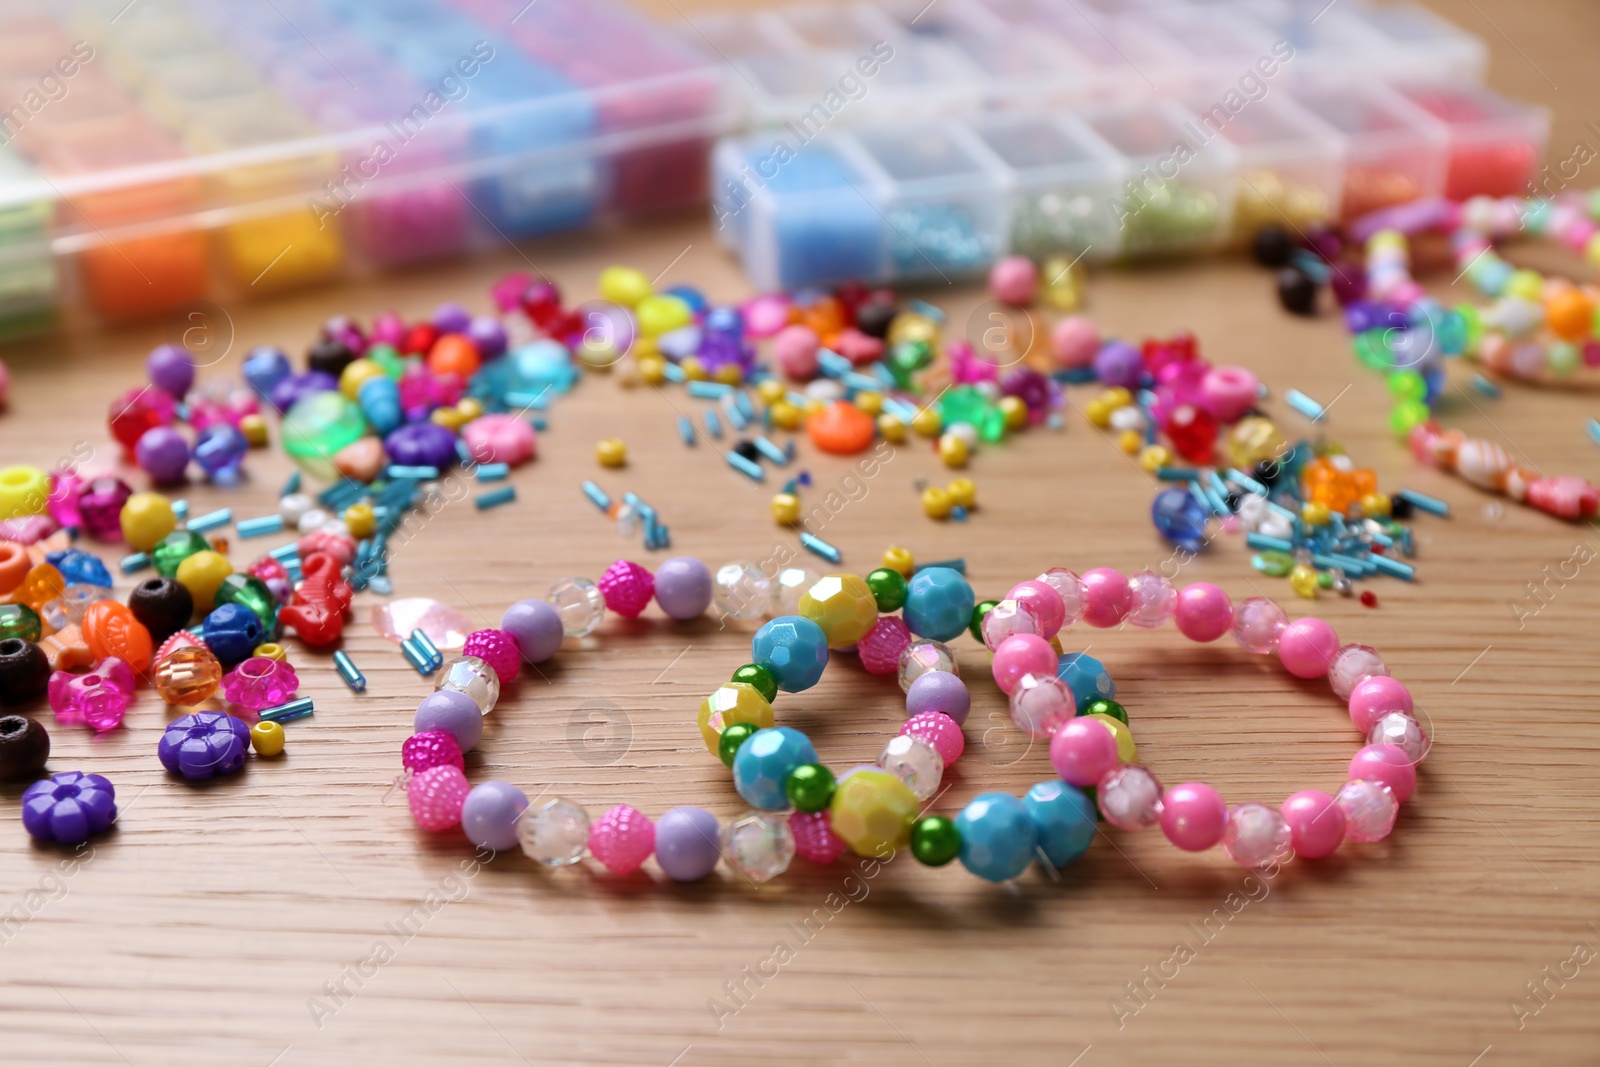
[
  {"x": 1041, "y": 705},
  {"x": 740, "y": 591},
  {"x": 1130, "y": 798},
  {"x": 580, "y": 604},
  {"x": 759, "y": 846},
  {"x": 915, "y": 762},
  {"x": 556, "y": 833},
  {"x": 475, "y": 678},
  {"x": 920, "y": 657},
  {"x": 628, "y": 520},
  {"x": 1352, "y": 665},
  {"x": 1070, "y": 586},
  {"x": 1257, "y": 622},
  {"x": 1155, "y": 600},
  {"x": 1007, "y": 619},
  {"x": 789, "y": 586},
  {"x": 1369, "y": 810},
  {"x": 1255, "y": 834},
  {"x": 1400, "y": 729}
]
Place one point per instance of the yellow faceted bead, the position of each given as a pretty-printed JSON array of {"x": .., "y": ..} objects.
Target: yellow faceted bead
[
  {"x": 1098, "y": 412},
  {"x": 954, "y": 450},
  {"x": 254, "y": 428},
  {"x": 1130, "y": 441},
  {"x": 1153, "y": 457},
  {"x": 843, "y": 605},
  {"x": 611, "y": 452},
  {"x": 355, "y": 374},
  {"x": 1254, "y": 439},
  {"x": 267, "y": 738},
  {"x": 870, "y": 402},
  {"x": 872, "y": 813},
  {"x": 1015, "y": 410},
  {"x": 728, "y": 374},
  {"x": 1127, "y": 751},
  {"x": 771, "y": 390},
  {"x": 1528, "y": 284},
  {"x": 146, "y": 519},
  {"x": 1315, "y": 514},
  {"x": 899, "y": 559},
  {"x": 652, "y": 370},
  {"x": 187, "y": 675},
  {"x": 693, "y": 369},
  {"x": 1376, "y": 504},
  {"x": 271, "y": 651},
  {"x": 201, "y": 574},
  {"x": 732, "y": 702},
  {"x": 1304, "y": 581},
  {"x": 360, "y": 519},
  {"x": 23, "y": 491},
  {"x": 892, "y": 428},
  {"x": 786, "y": 509},
  {"x": 936, "y": 502},
  {"x": 962, "y": 492},
  {"x": 449, "y": 418},
  {"x": 624, "y": 285},
  {"x": 927, "y": 422},
  {"x": 785, "y": 416}
]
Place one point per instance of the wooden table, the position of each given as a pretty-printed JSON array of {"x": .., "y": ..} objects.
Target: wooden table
[{"x": 293, "y": 915}]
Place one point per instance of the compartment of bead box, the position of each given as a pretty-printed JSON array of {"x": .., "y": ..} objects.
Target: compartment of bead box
[
  {"x": 1495, "y": 145},
  {"x": 1394, "y": 151}
]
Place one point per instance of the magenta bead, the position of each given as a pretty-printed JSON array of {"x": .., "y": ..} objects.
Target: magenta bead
[
  {"x": 1373, "y": 697},
  {"x": 1106, "y": 597},
  {"x": 814, "y": 838},
  {"x": 99, "y": 698},
  {"x": 260, "y": 682},
  {"x": 1388, "y": 764},
  {"x": 938, "y": 730},
  {"x": 880, "y": 649},
  {"x": 1204, "y": 612},
  {"x": 622, "y": 839},
  {"x": 1228, "y": 392},
  {"x": 1074, "y": 342},
  {"x": 436, "y": 796},
  {"x": 1046, "y": 603},
  {"x": 1083, "y": 752},
  {"x": 1306, "y": 648},
  {"x": 430, "y": 749},
  {"x": 1193, "y": 816},
  {"x": 100, "y": 503},
  {"x": 1022, "y": 654},
  {"x": 496, "y": 648},
  {"x": 1316, "y": 823},
  {"x": 627, "y": 588}
]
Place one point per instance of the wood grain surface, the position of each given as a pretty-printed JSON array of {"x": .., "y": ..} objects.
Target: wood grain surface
[{"x": 292, "y": 914}]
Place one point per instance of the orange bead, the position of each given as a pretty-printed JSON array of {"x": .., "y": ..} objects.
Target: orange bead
[
  {"x": 110, "y": 629},
  {"x": 66, "y": 649},
  {"x": 14, "y": 564},
  {"x": 43, "y": 584},
  {"x": 454, "y": 354},
  {"x": 841, "y": 428},
  {"x": 826, "y": 316},
  {"x": 1570, "y": 313}
]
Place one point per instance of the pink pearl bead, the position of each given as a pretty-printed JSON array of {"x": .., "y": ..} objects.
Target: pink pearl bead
[
  {"x": 436, "y": 796},
  {"x": 1048, "y": 606},
  {"x": 1107, "y": 598},
  {"x": 940, "y": 731},
  {"x": 1204, "y": 612},
  {"x": 1074, "y": 342},
  {"x": 1306, "y": 648},
  {"x": 880, "y": 649},
  {"x": 1083, "y": 752},
  {"x": 1388, "y": 764},
  {"x": 1316, "y": 823},
  {"x": 1193, "y": 816},
  {"x": 1228, "y": 392},
  {"x": 814, "y": 838},
  {"x": 1022, "y": 654},
  {"x": 430, "y": 749},
  {"x": 1014, "y": 280},
  {"x": 795, "y": 349},
  {"x": 1373, "y": 697},
  {"x": 622, "y": 839},
  {"x": 627, "y": 588}
]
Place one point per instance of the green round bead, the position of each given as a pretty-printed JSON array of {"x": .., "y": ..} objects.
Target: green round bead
[
  {"x": 888, "y": 589},
  {"x": 1102, "y": 706},
  {"x": 174, "y": 548},
  {"x": 1324, "y": 580},
  {"x": 810, "y": 787},
  {"x": 19, "y": 620},
  {"x": 935, "y": 840},
  {"x": 759, "y": 678},
  {"x": 979, "y": 610},
  {"x": 732, "y": 737}
]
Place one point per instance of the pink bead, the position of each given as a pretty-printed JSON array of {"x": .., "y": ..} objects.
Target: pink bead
[
  {"x": 1306, "y": 648},
  {"x": 622, "y": 839},
  {"x": 1106, "y": 597},
  {"x": 859, "y": 347},
  {"x": 880, "y": 649},
  {"x": 627, "y": 588},
  {"x": 1074, "y": 342},
  {"x": 765, "y": 315},
  {"x": 1373, "y": 697},
  {"x": 1014, "y": 280},
  {"x": 1193, "y": 816},
  {"x": 266, "y": 568},
  {"x": 430, "y": 749},
  {"x": 814, "y": 838},
  {"x": 1083, "y": 751},
  {"x": 796, "y": 352},
  {"x": 1204, "y": 612},
  {"x": 5, "y": 382},
  {"x": 1022, "y": 654},
  {"x": 940, "y": 731},
  {"x": 436, "y": 796},
  {"x": 1048, "y": 606},
  {"x": 498, "y": 649},
  {"x": 341, "y": 547},
  {"x": 1316, "y": 823},
  {"x": 1228, "y": 392},
  {"x": 500, "y": 439},
  {"x": 99, "y": 698},
  {"x": 260, "y": 682},
  {"x": 1388, "y": 764}
]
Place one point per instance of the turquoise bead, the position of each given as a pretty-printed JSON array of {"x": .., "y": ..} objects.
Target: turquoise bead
[
  {"x": 794, "y": 649},
  {"x": 380, "y": 403},
  {"x": 997, "y": 836},
  {"x": 938, "y": 604},
  {"x": 763, "y": 764},
  {"x": 1086, "y": 677},
  {"x": 1064, "y": 819}
]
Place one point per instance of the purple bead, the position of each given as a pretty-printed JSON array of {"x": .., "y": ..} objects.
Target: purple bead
[
  {"x": 220, "y": 447},
  {"x": 343, "y": 328},
  {"x": 389, "y": 329},
  {"x": 452, "y": 318},
  {"x": 281, "y": 589},
  {"x": 100, "y": 503},
  {"x": 163, "y": 454},
  {"x": 204, "y": 745},
  {"x": 488, "y": 335},
  {"x": 454, "y": 713},
  {"x": 171, "y": 370},
  {"x": 69, "y": 807},
  {"x": 296, "y": 387},
  {"x": 686, "y": 844},
  {"x": 939, "y": 691},
  {"x": 1030, "y": 386},
  {"x": 536, "y": 628},
  {"x": 1119, "y": 363},
  {"x": 1361, "y": 316},
  {"x": 683, "y": 587},
  {"x": 1349, "y": 282},
  {"x": 489, "y": 816},
  {"x": 421, "y": 444}
]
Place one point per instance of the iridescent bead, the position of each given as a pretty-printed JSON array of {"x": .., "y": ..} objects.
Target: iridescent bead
[
  {"x": 436, "y": 795},
  {"x": 998, "y": 837},
  {"x": 1087, "y": 677},
  {"x": 1130, "y": 798},
  {"x": 880, "y": 650},
  {"x": 735, "y": 702},
  {"x": 843, "y": 606},
  {"x": 740, "y": 591},
  {"x": 188, "y": 675},
  {"x": 1257, "y": 622},
  {"x": 794, "y": 649},
  {"x": 580, "y": 604},
  {"x": 1007, "y": 619},
  {"x": 1352, "y": 665},
  {"x": 260, "y": 682},
  {"x": 758, "y": 846},
  {"x": 915, "y": 762},
  {"x": 1064, "y": 818},
  {"x": 872, "y": 811},
  {"x": 763, "y": 763},
  {"x": 938, "y": 603},
  {"x": 1155, "y": 601},
  {"x": 627, "y": 588},
  {"x": 1400, "y": 729},
  {"x": 814, "y": 839},
  {"x": 1070, "y": 586},
  {"x": 1042, "y": 704},
  {"x": 556, "y": 833},
  {"x": 940, "y": 731},
  {"x": 472, "y": 677},
  {"x": 1369, "y": 810},
  {"x": 1256, "y": 834},
  {"x": 920, "y": 657},
  {"x": 789, "y": 586}
]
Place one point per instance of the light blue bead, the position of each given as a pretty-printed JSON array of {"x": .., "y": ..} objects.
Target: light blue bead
[
  {"x": 762, "y": 767},
  {"x": 1086, "y": 677},
  {"x": 997, "y": 836},
  {"x": 380, "y": 403},
  {"x": 938, "y": 604},
  {"x": 1064, "y": 818},
  {"x": 540, "y": 365},
  {"x": 794, "y": 649}
]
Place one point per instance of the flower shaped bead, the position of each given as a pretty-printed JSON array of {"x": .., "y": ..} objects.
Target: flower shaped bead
[
  {"x": 204, "y": 745},
  {"x": 69, "y": 807},
  {"x": 260, "y": 682}
]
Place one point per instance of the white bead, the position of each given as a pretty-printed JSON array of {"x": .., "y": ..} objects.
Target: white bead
[
  {"x": 1255, "y": 834},
  {"x": 1041, "y": 705},
  {"x": 915, "y": 762},
  {"x": 580, "y": 604},
  {"x": 759, "y": 845},
  {"x": 1252, "y": 511},
  {"x": 1130, "y": 798},
  {"x": 1352, "y": 665},
  {"x": 966, "y": 431},
  {"x": 741, "y": 591},
  {"x": 1400, "y": 729},
  {"x": 824, "y": 389},
  {"x": 791, "y": 584},
  {"x": 312, "y": 520},
  {"x": 989, "y": 388},
  {"x": 1275, "y": 525},
  {"x": 335, "y": 526},
  {"x": 291, "y": 507},
  {"x": 1369, "y": 810},
  {"x": 1070, "y": 586},
  {"x": 1007, "y": 619},
  {"x": 920, "y": 657},
  {"x": 555, "y": 834},
  {"x": 472, "y": 676},
  {"x": 1126, "y": 418}
]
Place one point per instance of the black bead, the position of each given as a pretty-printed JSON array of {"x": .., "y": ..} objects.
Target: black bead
[
  {"x": 1267, "y": 472},
  {"x": 24, "y": 748},
  {"x": 163, "y": 605},
  {"x": 1399, "y": 508},
  {"x": 330, "y": 357},
  {"x": 748, "y": 450},
  {"x": 1297, "y": 292},
  {"x": 1272, "y": 246},
  {"x": 24, "y": 670},
  {"x": 873, "y": 319}
]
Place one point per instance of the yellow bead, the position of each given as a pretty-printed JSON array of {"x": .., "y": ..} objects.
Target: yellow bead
[
  {"x": 1127, "y": 751},
  {"x": 1117, "y": 397},
  {"x": 1130, "y": 441},
  {"x": 786, "y": 509},
  {"x": 936, "y": 503},
  {"x": 355, "y": 374},
  {"x": 1098, "y": 412},
  {"x": 1015, "y": 411},
  {"x": 813, "y": 406},
  {"x": 42, "y": 584},
  {"x": 1061, "y": 282},
  {"x": 360, "y": 519},
  {"x": 1304, "y": 581},
  {"x": 729, "y": 374},
  {"x": 1153, "y": 457},
  {"x": 954, "y": 450},
  {"x": 449, "y": 418},
  {"x": 624, "y": 285},
  {"x": 872, "y": 812},
  {"x": 267, "y": 738},
  {"x": 870, "y": 402},
  {"x": 899, "y": 559},
  {"x": 611, "y": 452},
  {"x": 254, "y": 428},
  {"x": 201, "y": 574},
  {"x": 662, "y": 314},
  {"x": 270, "y": 650},
  {"x": 1528, "y": 284},
  {"x": 962, "y": 492},
  {"x": 23, "y": 491},
  {"x": 892, "y": 428},
  {"x": 927, "y": 422},
  {"x": 1315, "y": 514},
  {"x": 785, "y": 416},
  {"x": 1376, "y": 504},
  {"x": 693, "y": 369},
  {"x": 909, "y": 326},
  {"x": 732, "y": 702},
  {"x": 843, "y": 606},
  {"x": 146, "y": 519},
  {"x": 1387, "y": 241},
  {"x": 771, "y": 390},
  {"x": 470, "y": 408},
  {"x": 652, "y": 369},
  {"x": 1591, "y": 251}
]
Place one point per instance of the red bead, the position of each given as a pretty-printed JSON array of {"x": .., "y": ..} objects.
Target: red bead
[
  {"x": 1193, "y": 431},
  {"x": 316, "y": 624},
  {"x": 542, "y": 304},
  {"x": 420, "y": 339},
  {"x": 1369, "y": 599},
  {"x": 136, "y": 411}
]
